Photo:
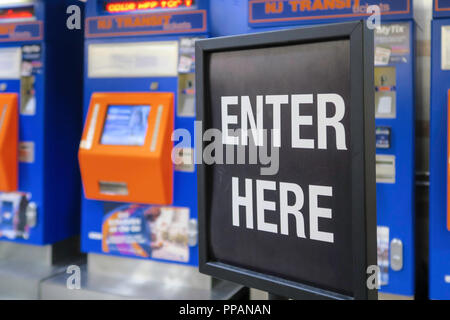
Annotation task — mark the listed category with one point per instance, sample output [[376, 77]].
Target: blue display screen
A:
[[125, 125]]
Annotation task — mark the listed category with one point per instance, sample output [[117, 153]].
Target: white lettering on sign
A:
[[298, 103], [298, 121], [244, 198], [278, 203]]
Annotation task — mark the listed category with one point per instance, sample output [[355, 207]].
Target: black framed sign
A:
[[286, 186]]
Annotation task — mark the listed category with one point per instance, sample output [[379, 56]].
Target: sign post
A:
[[287, 179]]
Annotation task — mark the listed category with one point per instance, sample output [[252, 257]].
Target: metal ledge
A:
[[113, 278], [23, 267]]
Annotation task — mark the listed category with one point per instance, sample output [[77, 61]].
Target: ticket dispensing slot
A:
[[9, 135], [125, 151], [385, 92], [385, 169]]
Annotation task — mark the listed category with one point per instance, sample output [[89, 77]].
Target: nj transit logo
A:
[[145, 24], [261, 11], [23, 31]]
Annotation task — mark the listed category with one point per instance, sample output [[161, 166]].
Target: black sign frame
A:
[[363, 155]]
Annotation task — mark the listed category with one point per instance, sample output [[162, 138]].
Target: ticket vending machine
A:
[[137, 149], [439, 228], [394, 109], [40, 121]]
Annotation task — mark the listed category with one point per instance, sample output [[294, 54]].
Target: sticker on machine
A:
[[146, 231], [17, 215], [395, 38], [31, 60], [382, 56], [26, 151], [28, 95], [445, 50], [383, 255], [186, 62]]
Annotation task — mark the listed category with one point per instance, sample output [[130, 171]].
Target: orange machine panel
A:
[[9, 136], [128, 172]]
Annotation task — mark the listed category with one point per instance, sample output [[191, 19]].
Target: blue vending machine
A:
[[137, 150], [40, 87], [439, 223], [394, 94], [40, 125]]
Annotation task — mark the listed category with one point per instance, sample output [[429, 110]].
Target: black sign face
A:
[[288, 225]]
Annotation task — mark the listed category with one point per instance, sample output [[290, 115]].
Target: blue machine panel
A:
[[394, 82], [439, 245], [160, 232], [441, 8], [394, 59], [46, 205]]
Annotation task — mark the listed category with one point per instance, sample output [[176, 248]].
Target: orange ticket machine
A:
[[125, 151], [9, 134]]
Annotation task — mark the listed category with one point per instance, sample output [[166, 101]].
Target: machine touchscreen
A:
[[125, 125]]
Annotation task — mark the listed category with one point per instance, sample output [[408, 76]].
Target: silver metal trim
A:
[[396, 254], [156, 129], [87, 144], [2, 117]]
